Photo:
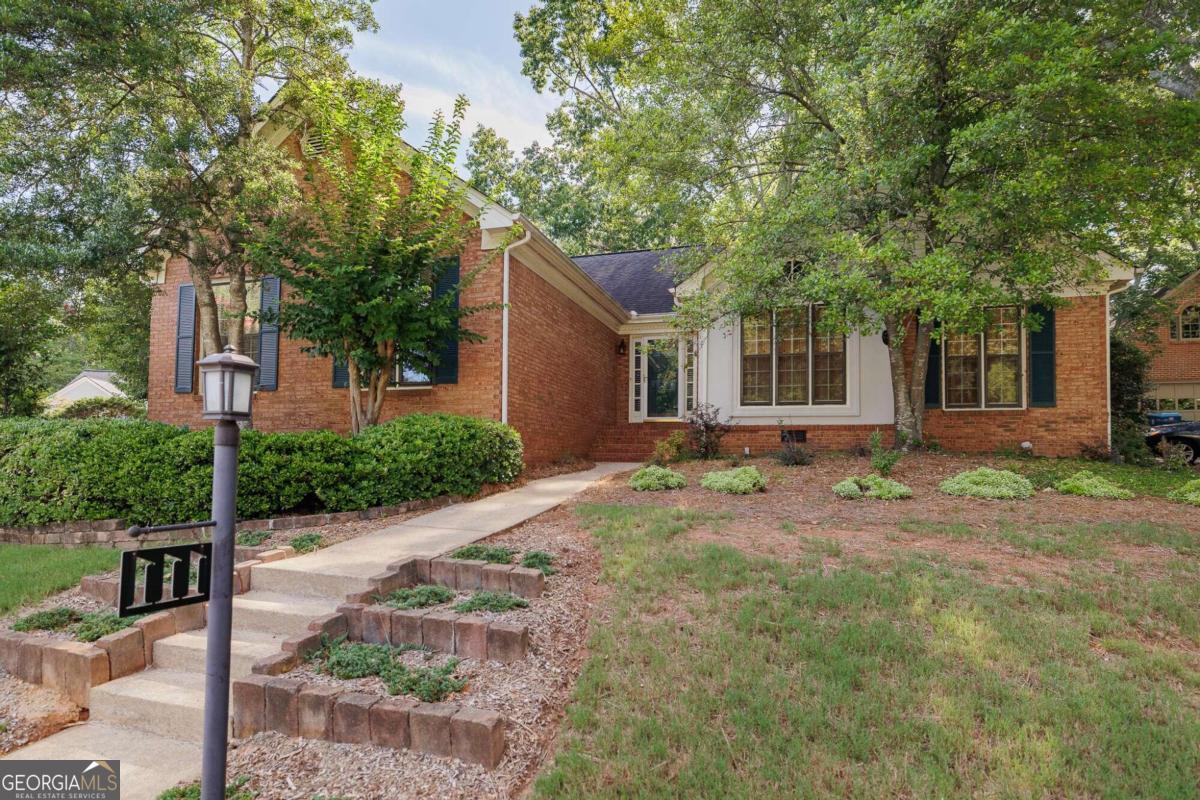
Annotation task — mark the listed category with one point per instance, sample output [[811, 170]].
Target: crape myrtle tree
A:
[[133, 130], [906, 164], [363, 254]]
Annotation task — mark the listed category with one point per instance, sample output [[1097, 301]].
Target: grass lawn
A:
[[724, 674], [1153, 481], [29, 573]]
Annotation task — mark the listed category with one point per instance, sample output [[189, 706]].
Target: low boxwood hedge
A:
[[151, 473]]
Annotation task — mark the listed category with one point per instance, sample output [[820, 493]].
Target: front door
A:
[[662, 374]]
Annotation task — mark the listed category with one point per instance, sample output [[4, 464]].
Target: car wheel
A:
[[1195, 450]]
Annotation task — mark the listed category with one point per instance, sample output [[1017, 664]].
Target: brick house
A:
[[582, 359], [1175, 366]]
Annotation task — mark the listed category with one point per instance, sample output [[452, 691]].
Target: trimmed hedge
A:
[[152, 473]]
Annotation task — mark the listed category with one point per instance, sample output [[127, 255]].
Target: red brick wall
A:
[[560, 359], [1177, 361], [306, 398], [1080, 417]]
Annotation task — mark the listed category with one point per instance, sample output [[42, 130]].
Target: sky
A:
[[441, 48]]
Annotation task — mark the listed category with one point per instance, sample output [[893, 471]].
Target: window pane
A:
[[791, 342], [756, 360], [689, 373], [662, 378], [962, 369], [829, 365], [1002, 343], [404, 375], [637, 376], [1189, 323]]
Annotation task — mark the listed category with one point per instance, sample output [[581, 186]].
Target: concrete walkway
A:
[[151, 720], [347, 566]]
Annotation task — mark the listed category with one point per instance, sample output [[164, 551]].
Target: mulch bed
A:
[[530, 694]]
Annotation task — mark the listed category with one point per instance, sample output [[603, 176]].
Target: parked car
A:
[[1184, 433]]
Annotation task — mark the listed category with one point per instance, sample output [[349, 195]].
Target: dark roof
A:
[[634, 278]]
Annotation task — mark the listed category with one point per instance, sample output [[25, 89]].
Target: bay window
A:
[[785, 361]]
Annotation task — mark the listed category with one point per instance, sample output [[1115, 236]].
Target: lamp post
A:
[[228, 382]]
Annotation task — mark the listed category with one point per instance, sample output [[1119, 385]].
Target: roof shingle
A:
[[639, 280]]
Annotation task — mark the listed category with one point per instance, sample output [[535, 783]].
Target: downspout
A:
[[504, 326]]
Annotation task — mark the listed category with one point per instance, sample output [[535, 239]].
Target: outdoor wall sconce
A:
[[621, 348]]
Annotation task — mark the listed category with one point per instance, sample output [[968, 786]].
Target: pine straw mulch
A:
[[531, 695]]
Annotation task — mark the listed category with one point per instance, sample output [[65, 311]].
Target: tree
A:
[[905, 164], [134, 128], [27, 327], [115, 325], [376, 233]]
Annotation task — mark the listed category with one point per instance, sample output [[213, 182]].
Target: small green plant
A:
[[421, 596], [872, 486], [497, 602], [54, 619], [705, 431], [233, 791], [787, 526], [252, 538], [93, 625], [739, 480], [485, 552], [672, 448], [883, 459], [988, 484], [1175, 456], [656, 479], [792, 454], [307, 542], [351, 660], [1188, 493], [1088, 484], [539, 559]]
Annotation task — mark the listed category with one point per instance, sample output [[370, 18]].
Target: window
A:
[[250, 325], [637, 377], [1189, 323], [985, 365], [662, 378], [785, 361], [689, 375], [404, 375], [662, 371]]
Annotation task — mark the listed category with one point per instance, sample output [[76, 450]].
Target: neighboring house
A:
[[84, 386], [582, 359], [1175, 367]]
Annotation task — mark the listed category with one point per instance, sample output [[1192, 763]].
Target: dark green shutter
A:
[[1041, 360], [185, 339], [268, 337], [933, 376], [341, 374], [447, 366]]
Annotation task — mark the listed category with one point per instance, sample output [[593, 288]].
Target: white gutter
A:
[[504, 326]]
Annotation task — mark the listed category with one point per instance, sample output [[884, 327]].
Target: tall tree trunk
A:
[[908, 372], [206, 300], [356, 409]]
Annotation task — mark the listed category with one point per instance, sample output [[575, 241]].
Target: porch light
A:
[[228, 380]]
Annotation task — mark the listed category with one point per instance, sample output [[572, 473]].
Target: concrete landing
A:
[[346, 567], [149, 764]]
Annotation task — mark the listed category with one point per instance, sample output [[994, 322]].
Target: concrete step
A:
[[150, 763], [283, 578], [186, 651], [164, 702], [282, 614]]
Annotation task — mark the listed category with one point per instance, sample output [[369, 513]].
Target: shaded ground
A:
[[29, 713]]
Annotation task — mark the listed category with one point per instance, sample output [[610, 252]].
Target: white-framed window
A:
[[250, 324], [404, 375], [1186, 325], [785, 361], [662, 374], [984, 370]]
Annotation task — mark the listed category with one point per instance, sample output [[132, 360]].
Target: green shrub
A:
[[883, 459], [872, 486], [1088, 484], [54, 619], [100, 623], [989, 484], [739, 480], [491, 601], [150, 473], [233, 791], [101, 408], [86, 627], [307, 542], [421, 596], [485, 552], [350, 660], [539, 559], [1188, 493], [656, 479]]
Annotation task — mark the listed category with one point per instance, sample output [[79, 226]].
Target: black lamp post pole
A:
[[220, 611]]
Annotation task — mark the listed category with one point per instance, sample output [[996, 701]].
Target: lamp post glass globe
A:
[[228, 381]]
